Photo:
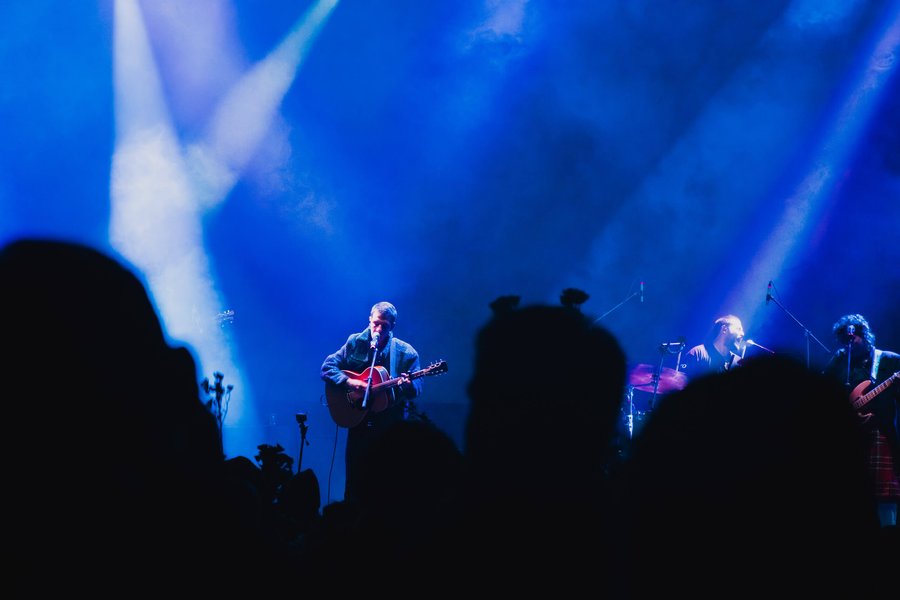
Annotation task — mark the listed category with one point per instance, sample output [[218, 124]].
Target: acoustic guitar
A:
[[346, 406]]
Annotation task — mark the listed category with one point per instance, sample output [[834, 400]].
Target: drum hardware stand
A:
[[629, 395], [664, 349], [806, 332]]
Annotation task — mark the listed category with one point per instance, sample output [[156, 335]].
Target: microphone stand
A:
[[365, 400], [637, 293], [301, 421], [849, 348], [806, 332]]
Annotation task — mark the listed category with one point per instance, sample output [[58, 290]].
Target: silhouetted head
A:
[[755, 466], [410, 473], [111, 441], [545, 396], [92, 365]]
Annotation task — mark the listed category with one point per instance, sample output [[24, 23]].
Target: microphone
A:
[[374, 343], [642, 292], [755, 345], [769, 292]]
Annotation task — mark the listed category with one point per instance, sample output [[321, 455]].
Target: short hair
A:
[[717, 325], [385, 308], [839, 329]]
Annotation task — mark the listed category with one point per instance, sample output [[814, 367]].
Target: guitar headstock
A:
[[436, 368], [225, 317]]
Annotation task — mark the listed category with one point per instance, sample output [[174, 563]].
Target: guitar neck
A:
[[434, 369], [862, 400], [387, 383], [395, 381]]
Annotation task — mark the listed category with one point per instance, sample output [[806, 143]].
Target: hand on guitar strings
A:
[[356, 385]]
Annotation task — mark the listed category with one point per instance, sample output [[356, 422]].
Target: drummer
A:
[[720, 350]]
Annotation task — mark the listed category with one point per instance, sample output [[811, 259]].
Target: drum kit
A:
[[648, 378], [654, 380]]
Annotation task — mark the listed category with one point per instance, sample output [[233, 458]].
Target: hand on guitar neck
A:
[[358, 386], [862, 395]]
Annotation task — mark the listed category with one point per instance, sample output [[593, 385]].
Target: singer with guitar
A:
[[365, 359], [872, 378]]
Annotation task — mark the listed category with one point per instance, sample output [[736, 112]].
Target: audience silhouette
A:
[[743, 482], [545, 397], [392, 536], [749, 481], [117, 466], [282, 505]]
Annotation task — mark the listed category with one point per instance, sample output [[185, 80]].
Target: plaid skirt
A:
[[883, 466]]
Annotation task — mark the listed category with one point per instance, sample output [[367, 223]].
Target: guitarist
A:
[[392, 353], [861, 366]]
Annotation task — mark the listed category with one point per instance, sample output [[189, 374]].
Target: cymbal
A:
[[642, 377]]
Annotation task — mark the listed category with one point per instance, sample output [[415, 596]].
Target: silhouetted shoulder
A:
[[755, 466]]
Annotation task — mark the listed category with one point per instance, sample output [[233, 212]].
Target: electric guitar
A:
[[346, 406], [859, 397]]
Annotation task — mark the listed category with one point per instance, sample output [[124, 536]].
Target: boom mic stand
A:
[[849, 349], [806, 332], [617, 306], [851, 330]]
